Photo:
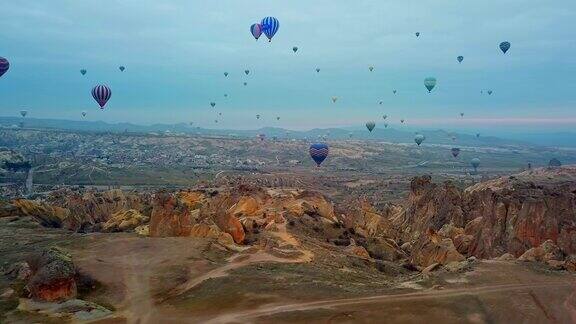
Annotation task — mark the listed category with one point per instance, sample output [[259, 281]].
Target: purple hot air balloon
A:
[[4, 65], [101, 94], [455, 151], [318, 152], [256, 30]]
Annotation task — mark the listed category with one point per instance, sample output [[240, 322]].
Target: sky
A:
[[176, 52]]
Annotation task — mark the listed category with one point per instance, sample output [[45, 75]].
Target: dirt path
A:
[[250, 315]]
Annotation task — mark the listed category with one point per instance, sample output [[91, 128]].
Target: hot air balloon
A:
[[4, 66], [370, 125], [256, 30], [334, 99], [460, 58], [101, 94], [245, 83], [419, 138], [317, 69], [212, 104], [225, 74], [417, 34], [380, 102], [225, 95], [385, 116], [23, 113], [216, 121], [219, 114], [83, 72], [246, 72], [402, 121], [257, 116], [277, 118], [122, 68], [295, 49], [394, 91], [270, 26], [477, 135], [430, 83], [475, 162], [318, 152], [489, 92], [455, 151], [461, 114], [504, 47], [349, 135], [261, 137], [371, 68], [83, 114], [385, 125]]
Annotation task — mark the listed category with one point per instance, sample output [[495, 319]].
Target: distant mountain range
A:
[[379, 133]]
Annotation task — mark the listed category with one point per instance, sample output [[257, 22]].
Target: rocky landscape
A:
[[237, 251]]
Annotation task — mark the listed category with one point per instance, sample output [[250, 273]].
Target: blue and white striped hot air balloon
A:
[[318, 152], [270, 26]]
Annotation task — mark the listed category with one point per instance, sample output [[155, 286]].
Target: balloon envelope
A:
[[101, 94], [270, 26], [475, 162], [317, 69], [4, 66], [455, 151], [419, 138], [295, 49], [256, 30], [318, 152], [212, 104], [23, 113], [83, 114], [430, 83], [504, 47], [417, 34], [83, 72], [225, 74], [247, 72], [460, 58], [370, 125], [121, 68]]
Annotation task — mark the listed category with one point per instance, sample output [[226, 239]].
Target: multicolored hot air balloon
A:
[[212, 104], [83, 72], [4, 66], [122, 68], [455, 152], [419, 138], [430, 83], [318, 152], [295, 49], [256, 30], [460, 58], [270, 26], [504, 47], [475, 162], [101, 94], [370, 125]]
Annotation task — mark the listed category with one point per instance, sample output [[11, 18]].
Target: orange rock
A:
[[170, 217]]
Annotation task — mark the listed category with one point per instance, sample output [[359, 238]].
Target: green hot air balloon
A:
[[430, 83], [370, 125], [419, 138], [475, 162]]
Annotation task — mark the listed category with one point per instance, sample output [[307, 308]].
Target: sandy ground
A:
[[145, 275]]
